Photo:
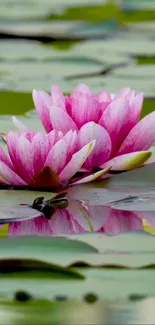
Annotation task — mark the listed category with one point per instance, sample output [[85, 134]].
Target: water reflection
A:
[[79, 217]]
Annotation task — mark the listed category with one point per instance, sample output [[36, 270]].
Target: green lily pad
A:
[[21, 268], [23, 196], [95, 13], [133, 243], [66, 312], [42, 28], [31, 75], [147, 27], [15, 50], [144, 71], [114, 83], [104, 284], [105, 28], [59, 29], [130, 46], [32, 123], [125, 250], [95, 49], [13, 10], [57, 67], [137, 181], [138, 4], [34, 9]]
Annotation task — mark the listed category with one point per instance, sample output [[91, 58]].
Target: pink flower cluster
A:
[[86, 135]]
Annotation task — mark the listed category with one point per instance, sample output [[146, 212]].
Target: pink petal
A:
[[61, 223], [68, 104], [131, 95], [40, 148], [58, 98], [77, 228], [53, 137], [123, 92], [102, 150], [116, 120], [35, 227], [84, 109], [12, 139], [98, 216], [141, 137], [92, 177], [43, 102], [56, 158], [18, 124], [8, 176], [71, 141], [79, 214], [29, 135], [61, 121], [148, 216], [102, 107], [4, 158], [76, 162], [104, 96], [135, 109], [24, 161], [90, 218], [83, 89], [128, 161], [122, 221]]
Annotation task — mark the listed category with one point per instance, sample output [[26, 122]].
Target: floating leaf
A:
[[126, 250], [68, 312], [19, 268], [130, 46]]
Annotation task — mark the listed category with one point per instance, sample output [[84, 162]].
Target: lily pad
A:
[[37, 9], [15, 50], [31, 75], [126, 250], [14, 10], [23, 196], [138, 4], [95, 49], [133, 47], [42, 29], [57, 67], [144, 71], [147, 27], [59, 29], [114, 83], [6, 123], [66, 312]]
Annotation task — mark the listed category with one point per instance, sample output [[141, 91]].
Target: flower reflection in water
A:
[[79, 217]]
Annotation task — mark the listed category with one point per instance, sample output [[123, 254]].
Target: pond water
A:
[[93, 260]]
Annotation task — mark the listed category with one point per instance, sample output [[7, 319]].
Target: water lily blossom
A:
[[122, 140], [42, 160]]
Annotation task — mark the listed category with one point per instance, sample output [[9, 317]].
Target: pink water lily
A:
[[44, 160], [122, 141]]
